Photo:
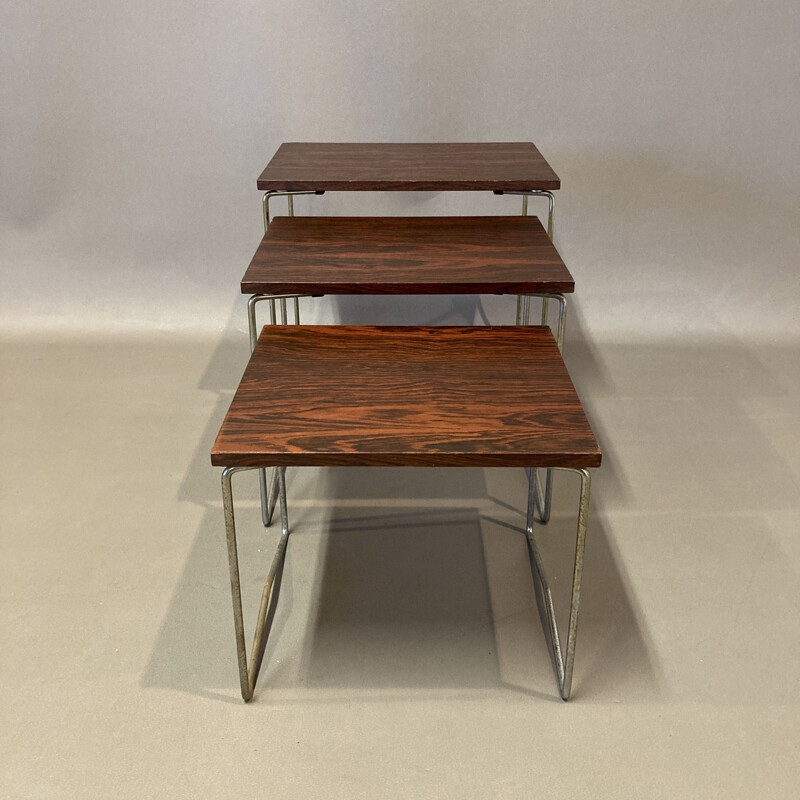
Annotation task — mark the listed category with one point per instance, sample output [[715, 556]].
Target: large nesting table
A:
[[406, 396]]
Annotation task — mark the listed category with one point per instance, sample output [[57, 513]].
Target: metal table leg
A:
[[562, 662], [248, 672], [523, 317], [270, 490], [543, 496]]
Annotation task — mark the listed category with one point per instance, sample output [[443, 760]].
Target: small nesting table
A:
[[406, 396], [407, 167]]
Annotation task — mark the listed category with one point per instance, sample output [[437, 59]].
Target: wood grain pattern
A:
[[406, 255], [405, 396], [343, 167]]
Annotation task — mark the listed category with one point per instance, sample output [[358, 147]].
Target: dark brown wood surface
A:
[[406, 255], [343, 167], [405, 396]]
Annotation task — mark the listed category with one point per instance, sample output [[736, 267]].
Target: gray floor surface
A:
[[406, 657]]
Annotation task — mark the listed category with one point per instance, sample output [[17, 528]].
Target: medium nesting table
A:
[[406, 396]]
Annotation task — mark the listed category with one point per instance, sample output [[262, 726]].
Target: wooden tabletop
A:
[[343, 167], [405, 396], [406, 255]]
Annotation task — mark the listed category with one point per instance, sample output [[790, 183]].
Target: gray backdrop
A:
[[133, 133]]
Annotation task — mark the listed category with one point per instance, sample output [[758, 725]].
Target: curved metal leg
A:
[[248, 672], [562, 662], [551, 208], [562, 314], [289, 199], [551, 205]]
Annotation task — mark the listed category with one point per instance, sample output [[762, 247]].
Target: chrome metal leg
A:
[[523, 303], [269, 494], [269, 490], [289, 199], [248, 672], [551, 208], [562, 663], [551, 205], [543, 496]]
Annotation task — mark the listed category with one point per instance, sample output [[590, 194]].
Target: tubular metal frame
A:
[[544, 496], [562, 663], [248, 672], [523, 315], [249, 669], [270, 492]]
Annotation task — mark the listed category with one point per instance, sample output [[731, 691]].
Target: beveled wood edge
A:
[[583, 461], [318, 289], [406, 186], [512, 184]]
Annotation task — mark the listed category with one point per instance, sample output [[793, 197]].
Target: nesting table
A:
[[403, 395], [307, 168]]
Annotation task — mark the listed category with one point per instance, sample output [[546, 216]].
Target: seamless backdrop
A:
[[132, 136], [406, 658]]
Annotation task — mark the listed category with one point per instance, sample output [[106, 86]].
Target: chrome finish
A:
[[290, 201], [563, 659], [542, 497], [268, 497], [551, 204], [562, 314], [251, 318], [248, 673], [562, 662], [268, 491], [551, 207]]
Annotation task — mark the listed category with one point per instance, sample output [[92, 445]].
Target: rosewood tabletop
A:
[[405, 396], [344, 166], [406, 255]]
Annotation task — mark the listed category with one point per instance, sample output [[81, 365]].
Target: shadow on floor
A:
[[428, 595]]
